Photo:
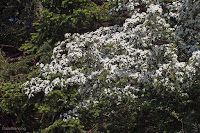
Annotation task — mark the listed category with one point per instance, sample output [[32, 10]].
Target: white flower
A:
[[56, 82], [67, 35], [154, 8]]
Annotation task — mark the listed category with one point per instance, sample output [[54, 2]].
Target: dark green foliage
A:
[[64, 16], [108, 115], [14, 107], [35, 114], [16, 21], [14, 72]]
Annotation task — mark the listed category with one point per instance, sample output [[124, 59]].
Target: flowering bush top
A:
[[145, 50]]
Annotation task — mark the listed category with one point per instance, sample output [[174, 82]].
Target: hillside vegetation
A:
[[79, 72]]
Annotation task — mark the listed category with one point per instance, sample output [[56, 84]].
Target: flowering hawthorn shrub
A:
[[142, 77]]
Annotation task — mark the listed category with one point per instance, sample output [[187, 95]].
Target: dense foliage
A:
[[36, 25], [16, 21], [59, 17], [143, 76]]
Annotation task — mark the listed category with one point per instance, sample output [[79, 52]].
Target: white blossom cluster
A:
[[117, 59], [178, 75], [71, 114], [174, 8], [189, 19]]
